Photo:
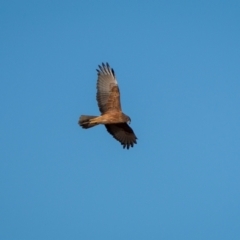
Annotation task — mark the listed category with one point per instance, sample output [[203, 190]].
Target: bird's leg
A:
[[94, 120]]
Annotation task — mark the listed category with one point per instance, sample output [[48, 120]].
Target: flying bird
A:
[[108, 98]]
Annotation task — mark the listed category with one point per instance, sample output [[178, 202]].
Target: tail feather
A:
[[84, 121]]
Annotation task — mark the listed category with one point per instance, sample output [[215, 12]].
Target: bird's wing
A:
[[108, 94], [123, 133]]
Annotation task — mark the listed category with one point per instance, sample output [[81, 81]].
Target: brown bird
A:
[[108, 98]]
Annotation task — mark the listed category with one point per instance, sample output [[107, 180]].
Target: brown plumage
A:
[[108, 98]]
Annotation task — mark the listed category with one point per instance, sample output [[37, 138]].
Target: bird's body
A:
[[107, 118], [108, 98]]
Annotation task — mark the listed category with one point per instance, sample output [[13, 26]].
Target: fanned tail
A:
[[85, 123]]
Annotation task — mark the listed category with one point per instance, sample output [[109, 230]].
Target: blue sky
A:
[[177, 65]]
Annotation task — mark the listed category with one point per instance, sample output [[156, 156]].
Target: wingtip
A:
[[105, 68]]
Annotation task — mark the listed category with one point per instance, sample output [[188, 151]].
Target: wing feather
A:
[[108, 94], [123, 133]]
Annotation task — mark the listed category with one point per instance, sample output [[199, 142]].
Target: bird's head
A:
[[128, 119]]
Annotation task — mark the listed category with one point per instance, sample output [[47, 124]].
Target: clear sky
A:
[[178, 68]]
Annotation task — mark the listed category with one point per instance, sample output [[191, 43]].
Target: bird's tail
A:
[[84, 121]]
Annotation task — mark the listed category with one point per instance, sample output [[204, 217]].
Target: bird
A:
[[109, 104]]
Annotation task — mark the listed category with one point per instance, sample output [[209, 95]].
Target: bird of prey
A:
[[108, 98]]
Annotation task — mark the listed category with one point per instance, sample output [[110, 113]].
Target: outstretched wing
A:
[[123, 133], [108, 95]]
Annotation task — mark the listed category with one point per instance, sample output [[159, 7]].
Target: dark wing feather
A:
[[108, 94], [123, 133]]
